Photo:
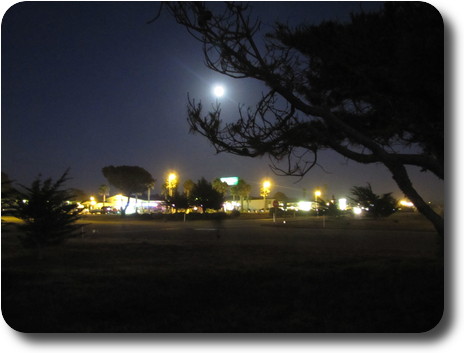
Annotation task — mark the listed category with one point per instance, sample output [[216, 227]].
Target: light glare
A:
[[218, 90], [305, 205], [342, 204]]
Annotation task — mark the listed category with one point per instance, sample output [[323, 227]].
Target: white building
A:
[[118, 202]]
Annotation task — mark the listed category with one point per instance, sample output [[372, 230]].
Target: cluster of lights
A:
[[406, 203], [172, 181], [305, 205], [231, 205]]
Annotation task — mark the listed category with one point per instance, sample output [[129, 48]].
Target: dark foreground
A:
[[250, 276]]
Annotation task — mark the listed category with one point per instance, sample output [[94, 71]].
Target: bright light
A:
[[342, 204], [406, 203], [305, 205], [265, 191], [317, 193], [171, 182], [231, 205], [357, 210], [230, 180], [219, 91]]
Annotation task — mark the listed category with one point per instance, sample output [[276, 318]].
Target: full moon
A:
[[218, 90]]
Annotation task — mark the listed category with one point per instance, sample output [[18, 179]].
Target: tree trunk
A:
[[123, 210], [401, 178]]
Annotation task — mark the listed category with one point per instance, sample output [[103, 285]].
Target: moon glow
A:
[[219, 91]]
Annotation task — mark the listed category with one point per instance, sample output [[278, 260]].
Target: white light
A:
[[357, 210], [231, 205], [342, 204], [305, 205], [406, 203], [218, 91], [230, 180]]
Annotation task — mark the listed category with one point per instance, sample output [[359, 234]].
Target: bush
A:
[[234, 214], [376, 205]]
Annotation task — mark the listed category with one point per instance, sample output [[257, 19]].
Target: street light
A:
[[172, 182], [265, 191], [317, 194], [92, 203]]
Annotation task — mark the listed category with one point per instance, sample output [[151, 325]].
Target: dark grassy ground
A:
[[353, 277]]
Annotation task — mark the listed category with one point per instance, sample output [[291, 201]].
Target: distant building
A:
[[136, 205], [250, 205], [117, 202]]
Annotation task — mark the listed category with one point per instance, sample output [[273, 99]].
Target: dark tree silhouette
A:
[[220, 186], [177, 200], [7, 194], [128, 179], [376, 205], [242, 190], [370, 89], [49, 218], [204, 195]]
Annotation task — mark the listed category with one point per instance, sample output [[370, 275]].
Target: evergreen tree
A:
[[49, 218]]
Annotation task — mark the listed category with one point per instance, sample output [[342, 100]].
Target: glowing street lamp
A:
[[92, 202], [265, 191]]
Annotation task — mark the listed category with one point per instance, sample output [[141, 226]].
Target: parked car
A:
[[104, 210], [108, 210]]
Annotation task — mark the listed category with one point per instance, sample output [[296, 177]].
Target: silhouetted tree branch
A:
[[371, 89]]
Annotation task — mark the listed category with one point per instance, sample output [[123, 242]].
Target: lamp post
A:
[[317, 194], [172, 182], [92, 203], [265, 191]]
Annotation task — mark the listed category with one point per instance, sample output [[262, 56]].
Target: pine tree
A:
[[49, 217]]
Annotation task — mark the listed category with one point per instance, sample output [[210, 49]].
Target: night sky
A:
[[86, 85]]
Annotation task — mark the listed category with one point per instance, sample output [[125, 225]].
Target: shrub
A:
[[376, 206], [234, 213]]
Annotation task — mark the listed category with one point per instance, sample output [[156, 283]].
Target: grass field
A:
[[150, 276]]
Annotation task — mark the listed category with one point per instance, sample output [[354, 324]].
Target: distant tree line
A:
[[49, 217]]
